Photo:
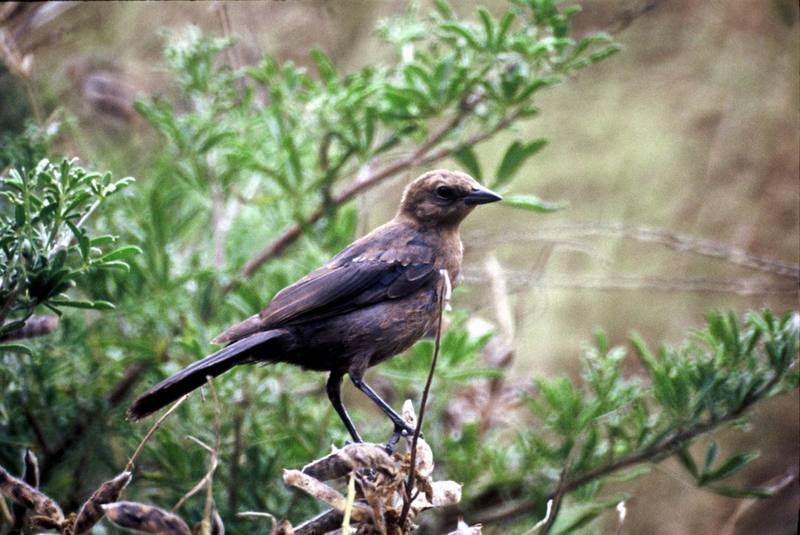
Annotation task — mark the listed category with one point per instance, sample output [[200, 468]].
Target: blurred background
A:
[[678, 158]]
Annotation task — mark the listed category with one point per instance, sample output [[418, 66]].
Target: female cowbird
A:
[[370, 302]]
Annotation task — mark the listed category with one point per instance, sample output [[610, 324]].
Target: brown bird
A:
[[370, 302]]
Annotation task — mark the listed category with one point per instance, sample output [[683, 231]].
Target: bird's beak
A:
[[481, 196]]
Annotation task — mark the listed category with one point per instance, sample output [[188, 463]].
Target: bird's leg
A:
[[401, 427], [333, 388]]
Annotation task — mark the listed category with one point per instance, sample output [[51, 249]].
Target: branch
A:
[[654, 453], [667, 447], [408, 499], [671, 240]]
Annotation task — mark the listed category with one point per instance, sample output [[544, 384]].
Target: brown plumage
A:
[[370, 302]]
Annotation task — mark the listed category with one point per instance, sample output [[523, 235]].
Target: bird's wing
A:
[[340, 289]]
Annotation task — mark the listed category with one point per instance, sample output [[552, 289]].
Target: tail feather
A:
[[195, 375]]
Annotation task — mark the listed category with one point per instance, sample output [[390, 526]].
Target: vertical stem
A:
[[436, 346]]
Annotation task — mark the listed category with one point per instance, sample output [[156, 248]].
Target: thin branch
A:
[[412, 471], [554, 503], [138, 451], [654, 453], [208, 479], [643, 233], [773, 486], [212, 465], [521, 280]]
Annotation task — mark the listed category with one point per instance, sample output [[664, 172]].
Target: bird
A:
[[370, 302]]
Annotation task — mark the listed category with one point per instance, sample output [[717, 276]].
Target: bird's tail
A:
[[196, 374]]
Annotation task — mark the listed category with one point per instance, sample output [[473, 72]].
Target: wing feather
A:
[[345, 288]]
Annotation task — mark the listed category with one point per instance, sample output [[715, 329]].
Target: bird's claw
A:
[[400, 431]]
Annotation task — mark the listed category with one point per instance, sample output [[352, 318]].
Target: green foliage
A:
[[43, 247], [604, 427], [248, 152]]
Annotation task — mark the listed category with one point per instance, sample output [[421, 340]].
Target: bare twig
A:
[[773, 486], [412, 471], [672, 240], [520, 280], [212, 465], [151, 432], [554, 503], [30, 475], [207, 480], [260, 514]]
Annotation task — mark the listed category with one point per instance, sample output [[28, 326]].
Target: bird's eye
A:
[[445, 192]]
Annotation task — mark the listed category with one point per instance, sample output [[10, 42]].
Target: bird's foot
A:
[[404, 430], [393, 440]]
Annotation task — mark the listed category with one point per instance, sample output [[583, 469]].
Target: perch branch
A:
[[408, 499]]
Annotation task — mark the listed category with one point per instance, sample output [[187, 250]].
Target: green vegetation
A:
[[266, 159]]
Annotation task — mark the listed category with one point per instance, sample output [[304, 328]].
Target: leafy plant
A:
[[610, 425], [268, 156], [43, 245]]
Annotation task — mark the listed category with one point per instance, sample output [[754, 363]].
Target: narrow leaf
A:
[[533, 203], [121, 253], [469, 161], [515, 156], [16, 348]]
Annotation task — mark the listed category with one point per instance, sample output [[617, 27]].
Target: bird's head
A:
[[443, 197]]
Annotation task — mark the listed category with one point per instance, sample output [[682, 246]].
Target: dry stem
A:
[[151, 432]]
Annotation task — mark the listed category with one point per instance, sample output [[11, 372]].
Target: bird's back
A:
[[391, 262]]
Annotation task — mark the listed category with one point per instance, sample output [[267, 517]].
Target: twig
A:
[[260, 514], [412, 471], [774, 486], [153, 429], [208, 478], [671, 240], [214, 454], [118, 392], [520, 280]]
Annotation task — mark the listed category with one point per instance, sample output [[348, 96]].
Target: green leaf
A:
[[533, 203], [469, 160], [730, 467], [488, 27], [83, 241], [686, 459], [16, 348], [505, 24], [119, 254], [515, 156], [114, 264], [749, 492], [711, 456], [324, 65], [100, 241], [605, 53], [462, 31], [79, 303]]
